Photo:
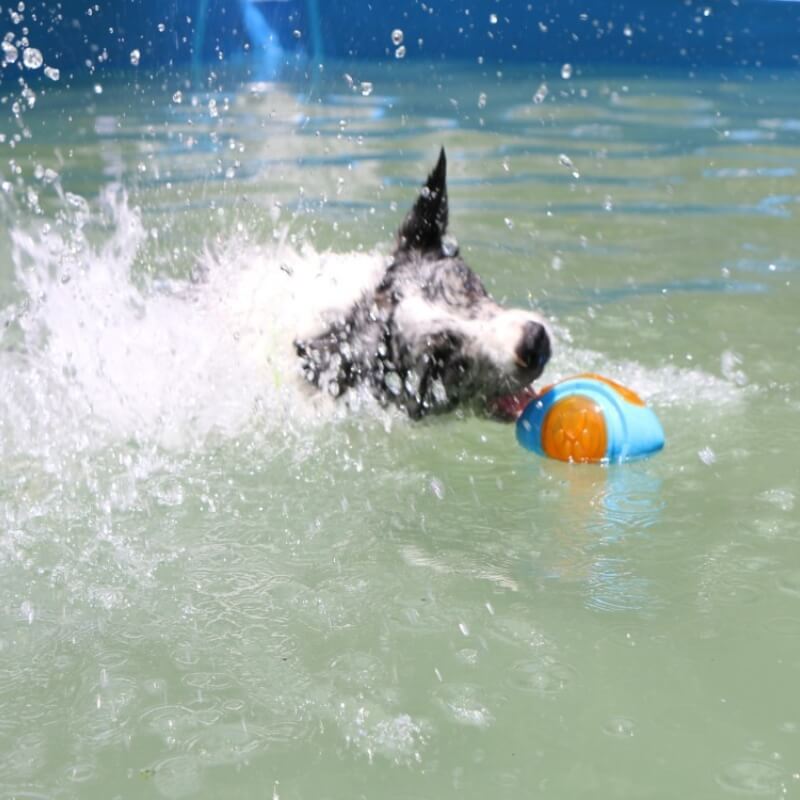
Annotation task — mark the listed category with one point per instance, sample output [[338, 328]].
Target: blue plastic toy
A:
[[589, 419]]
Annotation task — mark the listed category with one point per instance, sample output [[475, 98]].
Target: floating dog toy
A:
[[589, 419]]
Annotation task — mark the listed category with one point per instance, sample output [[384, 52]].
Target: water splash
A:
[[95, 351]]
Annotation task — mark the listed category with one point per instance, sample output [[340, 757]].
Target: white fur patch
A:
[[491, 337]]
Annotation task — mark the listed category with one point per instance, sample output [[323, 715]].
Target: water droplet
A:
[[400, 52], [543, 676], [707, 456], [541, 94], [397, 37], [393, 383], [493, 19], [566, 71], [135, 57], [177, 97], [730, 363], [620, 727], [32, 58], [566, 161], [98, 89], [53, 73], [782, 498], [449, 246], [10, 53]]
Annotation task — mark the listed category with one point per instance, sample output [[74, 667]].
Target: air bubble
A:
[[136, 55], [161, 27], [366, 88], [397, 37], [541, 94], [98, 88], [628, 31], [493, 19], [53, 73], [400, 52], [566, 71], [177, 97]]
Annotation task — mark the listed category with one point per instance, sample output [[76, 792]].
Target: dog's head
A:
[[430, 337]]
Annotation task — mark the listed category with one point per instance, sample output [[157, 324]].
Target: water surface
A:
[[211, 587]]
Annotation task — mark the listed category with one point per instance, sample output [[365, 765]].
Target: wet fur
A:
[[428, 337]]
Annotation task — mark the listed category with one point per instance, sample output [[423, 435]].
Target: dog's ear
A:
[[426, 223]]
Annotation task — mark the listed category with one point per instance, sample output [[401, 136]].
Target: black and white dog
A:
[[427, 336]]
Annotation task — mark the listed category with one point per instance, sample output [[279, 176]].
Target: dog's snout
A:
[[533, 350]]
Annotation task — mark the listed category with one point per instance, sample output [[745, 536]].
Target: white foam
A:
[[664, 386]]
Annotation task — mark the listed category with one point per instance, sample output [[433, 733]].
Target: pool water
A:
[[214, 587]]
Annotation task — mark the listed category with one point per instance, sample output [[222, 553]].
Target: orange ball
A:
[[574, 430]]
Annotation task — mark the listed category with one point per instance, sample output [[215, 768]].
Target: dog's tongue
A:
[[508, 407]]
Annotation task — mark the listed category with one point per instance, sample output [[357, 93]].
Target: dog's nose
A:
[[533, 350]]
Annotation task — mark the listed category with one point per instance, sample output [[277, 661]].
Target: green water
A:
[[214, 599]]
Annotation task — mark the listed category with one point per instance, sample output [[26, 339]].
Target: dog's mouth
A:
[[508, 407]]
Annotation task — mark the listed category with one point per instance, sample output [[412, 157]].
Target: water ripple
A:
[[752, 777]]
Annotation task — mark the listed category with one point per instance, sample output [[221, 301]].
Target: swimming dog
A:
[[428, 337]]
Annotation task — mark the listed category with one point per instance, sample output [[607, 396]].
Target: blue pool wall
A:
[[271, 35]]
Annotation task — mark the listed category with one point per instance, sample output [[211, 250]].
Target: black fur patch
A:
[[426, 223]]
